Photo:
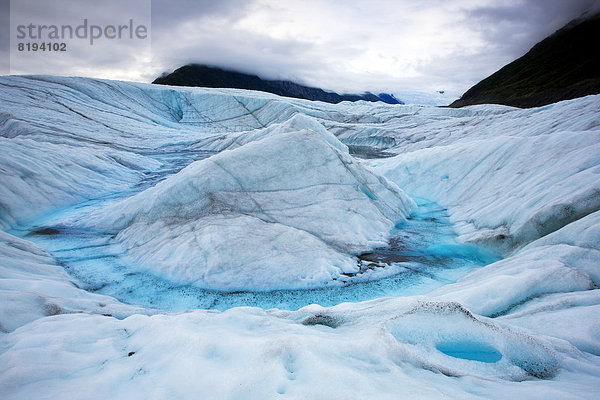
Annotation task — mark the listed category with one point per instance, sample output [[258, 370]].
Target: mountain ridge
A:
[[563, 66], [216, 77]]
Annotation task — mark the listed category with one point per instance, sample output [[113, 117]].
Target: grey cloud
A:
[[166, 14], [350, 46], [514, 27]]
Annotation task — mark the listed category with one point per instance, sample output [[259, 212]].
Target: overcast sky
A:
[[347, 46]]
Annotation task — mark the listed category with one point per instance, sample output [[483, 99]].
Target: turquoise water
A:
[[422, 255], [471, 351]]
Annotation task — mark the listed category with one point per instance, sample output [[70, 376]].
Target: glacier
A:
[[318, 217]]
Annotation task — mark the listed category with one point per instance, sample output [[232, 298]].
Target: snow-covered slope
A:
[[234, 189]]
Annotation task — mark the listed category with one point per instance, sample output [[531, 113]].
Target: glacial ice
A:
[[380, 349], [32, 286], [284, 212], [267, 182]]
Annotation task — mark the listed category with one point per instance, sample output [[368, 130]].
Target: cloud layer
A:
[[347, 46]]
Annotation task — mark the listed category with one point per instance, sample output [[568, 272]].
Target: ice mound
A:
[[286, 211], [296, 123]]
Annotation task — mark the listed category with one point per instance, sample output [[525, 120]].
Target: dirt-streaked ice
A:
[[284, 212]]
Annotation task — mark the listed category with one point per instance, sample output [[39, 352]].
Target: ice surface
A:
[[496, 288], [522, 197], [378, 349], [523, 183], [33, 286], [569, 316]]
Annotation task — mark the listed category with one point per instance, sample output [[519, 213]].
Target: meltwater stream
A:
[[422, 255]]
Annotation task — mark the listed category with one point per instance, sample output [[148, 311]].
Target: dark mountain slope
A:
[[563, 66], [205, 76]]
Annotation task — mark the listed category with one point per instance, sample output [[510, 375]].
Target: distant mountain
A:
[[563, 66], [389, 98], [205, 76]]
